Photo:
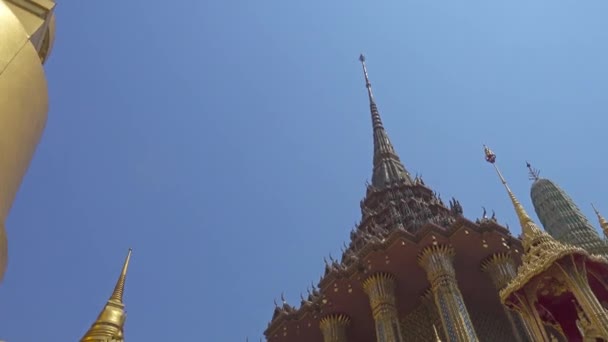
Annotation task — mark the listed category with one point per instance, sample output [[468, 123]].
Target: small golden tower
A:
[[27, 31], [110, 322], [603, 221], [550, 272]]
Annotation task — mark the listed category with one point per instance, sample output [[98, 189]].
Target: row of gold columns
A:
[[501, 269], [445, 298]]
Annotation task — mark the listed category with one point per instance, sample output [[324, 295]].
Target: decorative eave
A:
[[538, 261]]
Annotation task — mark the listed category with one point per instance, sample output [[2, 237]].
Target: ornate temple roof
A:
[[541, 250], [388, 168], [110, 322], [562, 218], [400, 215]]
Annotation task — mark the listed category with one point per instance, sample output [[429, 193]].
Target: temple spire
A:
[[603, 221], [529, 229], [110, 322], [387, 165]]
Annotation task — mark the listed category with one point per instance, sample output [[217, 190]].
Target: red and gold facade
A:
[[413, 264], [418, 270]]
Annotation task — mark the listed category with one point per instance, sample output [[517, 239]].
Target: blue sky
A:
[[228, 143]]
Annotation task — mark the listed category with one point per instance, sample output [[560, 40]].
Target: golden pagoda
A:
[[27, 32], [557, 284], [110, 322]]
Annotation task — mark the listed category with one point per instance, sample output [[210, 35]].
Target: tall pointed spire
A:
[[387, 165], [603, 221], [529, 229], [110, 322]]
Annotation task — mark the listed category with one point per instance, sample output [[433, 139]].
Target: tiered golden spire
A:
[[110, 322], [529, 229], [603, 221], [540, 249]]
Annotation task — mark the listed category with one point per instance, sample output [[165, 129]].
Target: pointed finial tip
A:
[[361, 58], [597, 212], [490, 156]]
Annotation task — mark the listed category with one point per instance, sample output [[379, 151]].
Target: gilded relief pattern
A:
[[334, 328], [380, 289]]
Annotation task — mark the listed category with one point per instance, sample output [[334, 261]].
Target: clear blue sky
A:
[[228, 143]]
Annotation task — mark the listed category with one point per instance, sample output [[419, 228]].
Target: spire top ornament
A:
[[528, 227], [533, 174]]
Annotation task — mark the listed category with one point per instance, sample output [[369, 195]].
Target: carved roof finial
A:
[[533, 174], [603, 221], [110, 322]]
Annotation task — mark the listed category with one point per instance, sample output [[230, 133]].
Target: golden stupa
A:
[[27, 30]]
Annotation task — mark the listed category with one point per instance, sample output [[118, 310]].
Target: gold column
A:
[[438, 263], [26, 37], [527, 309], [574, 273], [380, 289], [501, 269], [334, 327]]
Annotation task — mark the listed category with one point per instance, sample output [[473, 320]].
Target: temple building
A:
[[110, 323], [557, 284], [417, 270], [561, 218], [27, 34]]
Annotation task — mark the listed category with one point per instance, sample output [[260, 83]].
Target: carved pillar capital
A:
[[501, 269], [437, 260], [334, 327], [380, 288]]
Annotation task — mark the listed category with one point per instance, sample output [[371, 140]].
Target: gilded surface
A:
[[438, 263], [501, 269], [380, 289], [23, 110], [575, 275], [110, 322], [603, 221], [334, 327]]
